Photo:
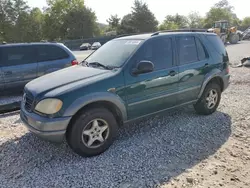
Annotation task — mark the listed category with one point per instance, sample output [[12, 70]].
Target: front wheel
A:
[[210, 100], [92, 132]]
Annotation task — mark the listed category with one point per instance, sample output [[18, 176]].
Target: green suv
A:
[[126, 79]]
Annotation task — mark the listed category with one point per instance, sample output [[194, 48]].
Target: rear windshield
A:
[[217, 43]]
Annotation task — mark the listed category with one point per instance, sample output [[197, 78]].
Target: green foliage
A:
[[245, 23], [127, 25], [195, 20], [174, 22], [143, 20], [113, 22], [221, 11], [71, 19], [62, 19], [140, 20]]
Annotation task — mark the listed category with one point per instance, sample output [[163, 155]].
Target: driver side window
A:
[[158, 51]]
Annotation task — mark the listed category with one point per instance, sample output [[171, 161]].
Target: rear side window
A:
[[190, 50], [50, 53], [158, 51], [187, 50], [217, 43], [17, 55], [202, 53]]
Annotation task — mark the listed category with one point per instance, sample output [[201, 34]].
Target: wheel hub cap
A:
[[212, 99], [95, 133]]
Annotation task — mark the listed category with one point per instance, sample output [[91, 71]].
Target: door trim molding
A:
[[157, 112], [163, 96]]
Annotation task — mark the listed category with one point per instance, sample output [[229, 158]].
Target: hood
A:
[[210, 30], [68, 76]]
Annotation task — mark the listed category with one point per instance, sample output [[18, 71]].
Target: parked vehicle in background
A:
[[240, 34], [85, 46], [126, 79], [246, 34], [96, 45], [226, 33], [21, 63]]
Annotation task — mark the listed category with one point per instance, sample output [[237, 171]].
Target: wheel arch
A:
[[215, 77], [107, 100]]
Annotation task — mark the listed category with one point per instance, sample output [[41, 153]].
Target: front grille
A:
[[29, 100]]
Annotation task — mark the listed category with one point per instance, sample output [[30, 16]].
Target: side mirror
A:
[[143, 67]]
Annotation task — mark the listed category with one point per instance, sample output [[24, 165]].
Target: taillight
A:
[[227, 70], [74, 62]]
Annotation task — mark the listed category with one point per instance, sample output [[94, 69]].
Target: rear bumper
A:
[[226, 81], [50, 129]]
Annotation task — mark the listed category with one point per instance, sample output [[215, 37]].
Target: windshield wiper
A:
[[100, 65]]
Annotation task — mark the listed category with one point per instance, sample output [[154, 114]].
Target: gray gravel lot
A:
[[176, 149]]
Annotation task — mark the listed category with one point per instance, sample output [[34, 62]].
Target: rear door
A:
[[51, 58], [19, 67], [193, 60]]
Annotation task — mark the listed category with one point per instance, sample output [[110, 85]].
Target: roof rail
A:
[[179, 30]]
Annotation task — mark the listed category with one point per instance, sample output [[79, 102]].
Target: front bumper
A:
[[50, 129]]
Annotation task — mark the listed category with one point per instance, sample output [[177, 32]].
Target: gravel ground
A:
[[177, 149]]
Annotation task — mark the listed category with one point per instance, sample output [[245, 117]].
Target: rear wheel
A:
[[210, 99], [92, 132]]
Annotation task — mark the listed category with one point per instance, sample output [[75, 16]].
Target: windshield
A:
[[114, 53]]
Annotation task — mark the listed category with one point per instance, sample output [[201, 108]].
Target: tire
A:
[[202, 106], [78, 139], [234, 38]]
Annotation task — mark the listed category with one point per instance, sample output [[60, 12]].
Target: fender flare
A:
[[97, 97], [213, 74]]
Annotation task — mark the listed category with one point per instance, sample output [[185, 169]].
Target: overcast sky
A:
[[161, 8]]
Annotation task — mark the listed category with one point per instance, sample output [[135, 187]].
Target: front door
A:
[[19, 67], [193, 65], [155, 91]]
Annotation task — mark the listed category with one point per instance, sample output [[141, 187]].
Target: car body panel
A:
[[18, 75], [1, 80], [133, 96]]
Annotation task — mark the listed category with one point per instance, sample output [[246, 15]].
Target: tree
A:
[[80, 23], [245, 23], [195, 20], [66, 19], [174, 22], [221, 11], [142, 19], [113, 21], [127, 25]]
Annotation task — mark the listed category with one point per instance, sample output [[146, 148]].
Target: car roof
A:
[[150, 35], [30, 44]]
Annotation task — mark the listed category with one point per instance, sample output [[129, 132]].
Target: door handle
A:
[[172, 73], [8, 73]]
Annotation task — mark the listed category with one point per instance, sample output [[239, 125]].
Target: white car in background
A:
[[96, 45]]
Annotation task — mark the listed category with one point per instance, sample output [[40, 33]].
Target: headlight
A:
[[49, 106]]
